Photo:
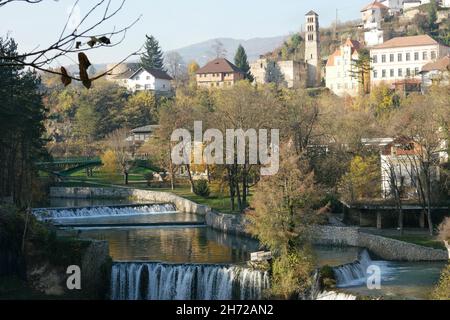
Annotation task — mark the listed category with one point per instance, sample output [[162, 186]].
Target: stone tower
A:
[[312, 50]]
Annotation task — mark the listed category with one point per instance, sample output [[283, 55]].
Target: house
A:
[[340, 69], [410, 4], [395, 6], [294, 72], [142, 134], [218, 73], [373, 37], [436, 73], [148, 79], [399, 61], [373, 14]]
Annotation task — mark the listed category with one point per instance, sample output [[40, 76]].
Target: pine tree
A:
[[241, 61], [152, 58]]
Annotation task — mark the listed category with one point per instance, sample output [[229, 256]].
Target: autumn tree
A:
[[140, 109], [362, 180], [361, 70], [118, 143]]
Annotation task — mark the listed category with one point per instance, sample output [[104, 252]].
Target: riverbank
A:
[[381, 247]]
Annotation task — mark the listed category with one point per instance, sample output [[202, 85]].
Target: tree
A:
[[284, 205], [274, 74], [241, 61], [22, 115], [219, 50], [432, 15], [109, 162], [122, 149], [192, 69], [86, 35], [140, 109], [361, 70], [442, 290], [363, 179], [152, 58], [176, 67]]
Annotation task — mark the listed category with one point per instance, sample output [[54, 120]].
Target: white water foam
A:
[[156, 281]]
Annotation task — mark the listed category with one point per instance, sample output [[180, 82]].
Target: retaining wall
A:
[[384, 248]]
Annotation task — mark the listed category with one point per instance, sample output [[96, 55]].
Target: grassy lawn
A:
[[137, 180], [422, 240]]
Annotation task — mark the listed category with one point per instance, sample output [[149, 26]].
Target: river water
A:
[[158, 255]]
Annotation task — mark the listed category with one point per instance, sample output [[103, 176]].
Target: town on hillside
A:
[[318, 170]]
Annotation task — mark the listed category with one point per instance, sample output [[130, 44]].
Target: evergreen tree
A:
[[22, 116], [432, 15], [241, 61], [152, 58], [274, 74]]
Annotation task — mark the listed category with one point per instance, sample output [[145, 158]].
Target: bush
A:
[[201, 188], [149, 177], [327, 278], [291, 274], [442, 290]]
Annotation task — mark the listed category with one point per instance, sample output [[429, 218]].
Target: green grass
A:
[[422, 240], [217, 201]]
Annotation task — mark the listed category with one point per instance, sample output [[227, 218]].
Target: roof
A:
[[442, 64], [145, 129], [374, 5], [311, 13], [131, 69], [355, 45], [218, 65], [412, 41], [158, 74]]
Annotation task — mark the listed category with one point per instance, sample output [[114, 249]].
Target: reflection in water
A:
[[174, 245]]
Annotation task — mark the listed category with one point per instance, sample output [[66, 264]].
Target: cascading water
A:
[[99, 212], [353, 273], [157, 281]]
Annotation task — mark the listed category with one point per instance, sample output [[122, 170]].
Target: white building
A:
[[339, 76], [373, 14], [373, 37], [145, 79], [294, 72], [399, 61], [395, 6]]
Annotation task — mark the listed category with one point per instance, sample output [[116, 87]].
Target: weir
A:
[[101, 212], [158, 281]]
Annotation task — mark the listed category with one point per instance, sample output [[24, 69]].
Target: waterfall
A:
[[158, 281], [355, 273], [99, 212]]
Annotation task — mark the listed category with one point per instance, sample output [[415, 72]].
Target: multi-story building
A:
[[395, 6], [340, 75], [399, 61], [312, 50], [218, 73], [293, 72]]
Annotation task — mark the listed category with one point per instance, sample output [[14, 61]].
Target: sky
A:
[[175, 23]]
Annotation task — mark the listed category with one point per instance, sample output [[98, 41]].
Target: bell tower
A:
[[312, 50]]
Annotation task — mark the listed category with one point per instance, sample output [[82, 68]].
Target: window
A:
[[392, 73], [375, 59], [424, 55], [148, 77], [416, 56], [400, 72], [383, 58], [147, 87], [408, 72], [408, 56], [391, 58], [416, 71], [375, 74], [383, 73], [433, 55], [339, 86], [399, 57]]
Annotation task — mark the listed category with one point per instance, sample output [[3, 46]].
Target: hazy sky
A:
[[175, 23]]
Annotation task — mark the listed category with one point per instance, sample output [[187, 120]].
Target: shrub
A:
[[149, 177], [442, 290], [201, 188], [444, 230], [327, 278], [291, 274]]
